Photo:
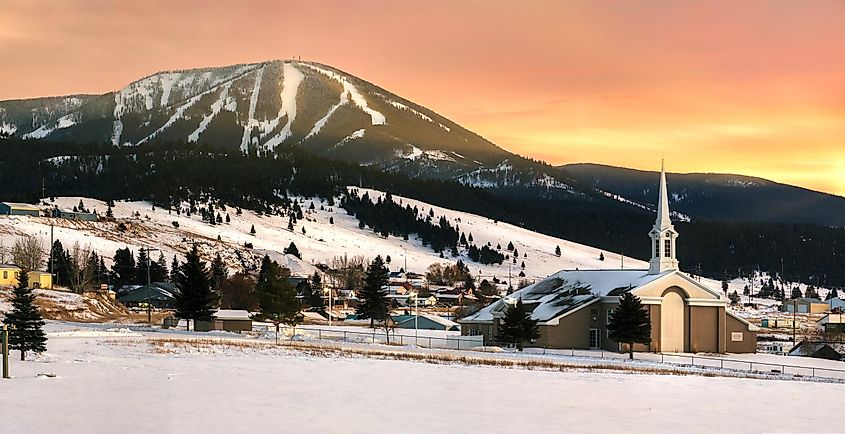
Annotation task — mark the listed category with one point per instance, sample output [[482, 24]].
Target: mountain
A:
[[713, 196], [256, 108]]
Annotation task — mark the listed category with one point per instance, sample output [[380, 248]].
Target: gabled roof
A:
[[567, 291], [22, 206], [146, 292]]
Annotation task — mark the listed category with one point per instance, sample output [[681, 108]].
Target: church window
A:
[[657, 248], [667, 247]]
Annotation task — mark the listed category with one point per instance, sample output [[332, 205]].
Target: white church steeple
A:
[[663, 234]]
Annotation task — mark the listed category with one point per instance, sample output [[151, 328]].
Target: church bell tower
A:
[[663, 234]]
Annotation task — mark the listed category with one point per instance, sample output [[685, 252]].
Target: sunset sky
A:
[[750, 87]]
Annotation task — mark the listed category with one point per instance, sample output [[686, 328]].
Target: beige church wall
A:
[[678, 330], [749, 339], [573, 331], [688, 289], [704, 329]]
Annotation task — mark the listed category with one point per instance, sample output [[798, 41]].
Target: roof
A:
[[22, 206], [146, 292], [10, 266], [806, 348], [445, 323], [804, 300], [232, 314], [568, 290], [832, 318]]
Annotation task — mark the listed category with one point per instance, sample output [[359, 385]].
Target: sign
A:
[[736, 336]]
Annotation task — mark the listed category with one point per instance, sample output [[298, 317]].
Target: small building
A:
[[779, 323], [817, 350], [832, 323], [76, 215], [425, 322], [159, 295], [40, 279], [777, 348], [9, 274], [449, 299], [804, 305], [13, 208], [37, 279], [835, 303], [422, 301], [230, 320]]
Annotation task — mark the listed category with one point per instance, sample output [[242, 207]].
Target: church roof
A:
[[566, 291]]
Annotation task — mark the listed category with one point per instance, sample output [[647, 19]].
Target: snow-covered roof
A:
[[568, 290], [21, 206], [234, 314]]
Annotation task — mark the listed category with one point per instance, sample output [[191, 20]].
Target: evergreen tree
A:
[[252, 230], [832, 294], [59, 258], [374, 299], [517, 327], [331, 220], [159, 269], [219, 271], [264, 271], [796, 293], [123, 268], [510, 246], [734, 297], [24, 320], [141, 270], [630, 323], [174, 269], [195, 299], [557, 250], [292, 250], [316, 299], [109, 212], [277, 298], [601, 256], [228, 219]]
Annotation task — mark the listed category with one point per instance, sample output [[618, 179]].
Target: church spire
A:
[[663, 235], [663, 220]]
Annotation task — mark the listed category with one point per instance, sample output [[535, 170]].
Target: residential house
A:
[[832, 323], [77, 215], [159, 295], [13, 208], [804, 305], [37, 279], [574, 307], [818, 350]]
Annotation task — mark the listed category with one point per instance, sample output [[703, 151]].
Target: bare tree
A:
[[4, 253], [81, 272], [347, 272], [28, 252]]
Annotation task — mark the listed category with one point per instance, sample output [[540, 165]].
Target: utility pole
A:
[[5, 350], [622, 258]]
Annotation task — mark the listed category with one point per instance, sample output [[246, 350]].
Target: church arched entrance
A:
[[672, 323]]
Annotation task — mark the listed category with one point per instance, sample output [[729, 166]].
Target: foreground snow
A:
[[110, 380]]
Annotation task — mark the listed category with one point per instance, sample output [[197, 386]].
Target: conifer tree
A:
[[195, 300], [264, 271], [601, 256], [517, 327], [252, 230], [292, 250], [316, 300], [630, 323], [734, 297], [277, 298], [123, 269], [219, 271], [557, 250], [228, 219], [374, 300], [24, 320], [174, 269]]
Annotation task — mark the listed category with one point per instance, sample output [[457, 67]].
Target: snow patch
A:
[[290, 86], [354, 95]]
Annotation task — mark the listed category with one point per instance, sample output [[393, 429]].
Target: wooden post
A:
[[6, 351]]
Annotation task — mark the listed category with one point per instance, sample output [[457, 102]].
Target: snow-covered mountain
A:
[[261, 106]]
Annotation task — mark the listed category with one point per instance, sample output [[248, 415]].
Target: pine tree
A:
[[24, 320], [252, 230], [143, 263], [316, 300], [517, 327], [219, 271], [277, 298], [374, 300], [832, 294], [557, 250], [123, 269], [109, 212], [734, 297], [292, 250], [630, 323], [264, 271], [331, 220], [174, 269], [228, 219], [601, 256], [510, 246], [195, 300]]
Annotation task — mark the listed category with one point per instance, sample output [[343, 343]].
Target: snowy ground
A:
[[111, 380]]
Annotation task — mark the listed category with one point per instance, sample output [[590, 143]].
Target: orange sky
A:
[[751, 87]]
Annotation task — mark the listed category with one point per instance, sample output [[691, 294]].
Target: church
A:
[[573, 307]]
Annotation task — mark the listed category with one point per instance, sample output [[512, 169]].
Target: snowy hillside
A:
[[156, 228]]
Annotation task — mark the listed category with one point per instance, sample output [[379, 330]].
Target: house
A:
[[8, 274], [835, 303], [804, 305], [776, 347], [449, 299], [37, 279], [40, 279], [160, 295], [425, 322], [76, 215], [398, 288], [832, 323], [230, 320], [818, 350], [573, 307], [779, 323], [423, 301], [12, 208]]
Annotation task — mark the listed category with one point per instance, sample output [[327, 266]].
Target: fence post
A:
[[459, 344], [429, 342], [814, 372], [661, 357], [320, 335], [573, 351], [5, 349], [721, 364], [344, 336]]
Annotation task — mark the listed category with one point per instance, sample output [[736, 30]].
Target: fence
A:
[[379, 337], [702, 361]]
